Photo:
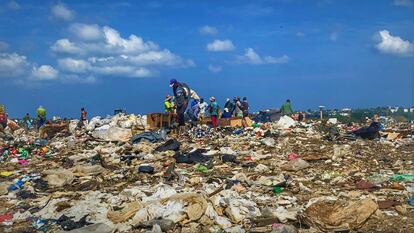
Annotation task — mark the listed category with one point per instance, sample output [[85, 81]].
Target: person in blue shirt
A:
[[226, 113], [182, 96]]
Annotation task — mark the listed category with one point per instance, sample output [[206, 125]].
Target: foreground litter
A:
[[285, 176]]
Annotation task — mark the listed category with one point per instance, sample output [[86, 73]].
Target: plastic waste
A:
[[17, 185], [112, 133], [171, 144], [402, 177], [292, 156], [285, 122], [328, 175], [6, 173], [282, 228], [277, 189], [268, 141], [201, 168], [146, 169], [94, 228], [296, 165]]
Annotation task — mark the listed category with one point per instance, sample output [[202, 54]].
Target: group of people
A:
[[29, 122], [187, 105]]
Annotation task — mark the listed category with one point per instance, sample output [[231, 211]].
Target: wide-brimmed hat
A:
[[168, 97]]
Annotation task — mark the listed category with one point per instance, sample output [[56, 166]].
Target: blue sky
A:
[[121, 54]]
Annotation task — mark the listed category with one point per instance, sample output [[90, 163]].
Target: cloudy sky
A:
[[104, 55]]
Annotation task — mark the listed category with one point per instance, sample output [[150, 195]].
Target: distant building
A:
[[412, 109], [406, 110]]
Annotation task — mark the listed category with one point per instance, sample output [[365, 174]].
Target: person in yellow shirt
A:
[[168, 105]]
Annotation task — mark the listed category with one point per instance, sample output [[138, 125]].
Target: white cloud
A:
[[3, 46], [215, 69], [66, 46], [220, 45], [394, 45], [164, 57], [208, 30], [134, 44], [12, 65], [277, 60], [404, 3], [62, 12], [44, 72], [127, 71], [333, 36], [95, 51], [251, 57], [300, 34], [74, 65], [13, 5], [86, 31]]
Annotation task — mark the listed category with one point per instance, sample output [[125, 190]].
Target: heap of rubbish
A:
[[118, 175]]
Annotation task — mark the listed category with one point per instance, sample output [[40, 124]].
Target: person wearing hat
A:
[[226, 113], [213, 109], [168, 104], [182, 95]]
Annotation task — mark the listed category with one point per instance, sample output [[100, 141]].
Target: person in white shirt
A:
[[203, 107]]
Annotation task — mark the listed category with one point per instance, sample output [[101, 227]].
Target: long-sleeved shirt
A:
[[286, 109], [203, 107]]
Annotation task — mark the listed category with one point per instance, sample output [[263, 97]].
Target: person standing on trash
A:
[[168, 104], [193, 112], [41, 116], [237, 107], [3, 117], [202, 106], [27, 121], [286, 108], [182, 95], [229, 105], [83, 118], [213, 109], [245, 107]]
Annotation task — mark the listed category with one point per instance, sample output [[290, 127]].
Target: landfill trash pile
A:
[[286, 176]]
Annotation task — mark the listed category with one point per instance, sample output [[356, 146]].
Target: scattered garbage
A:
[[329, 214], [117, 174]]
